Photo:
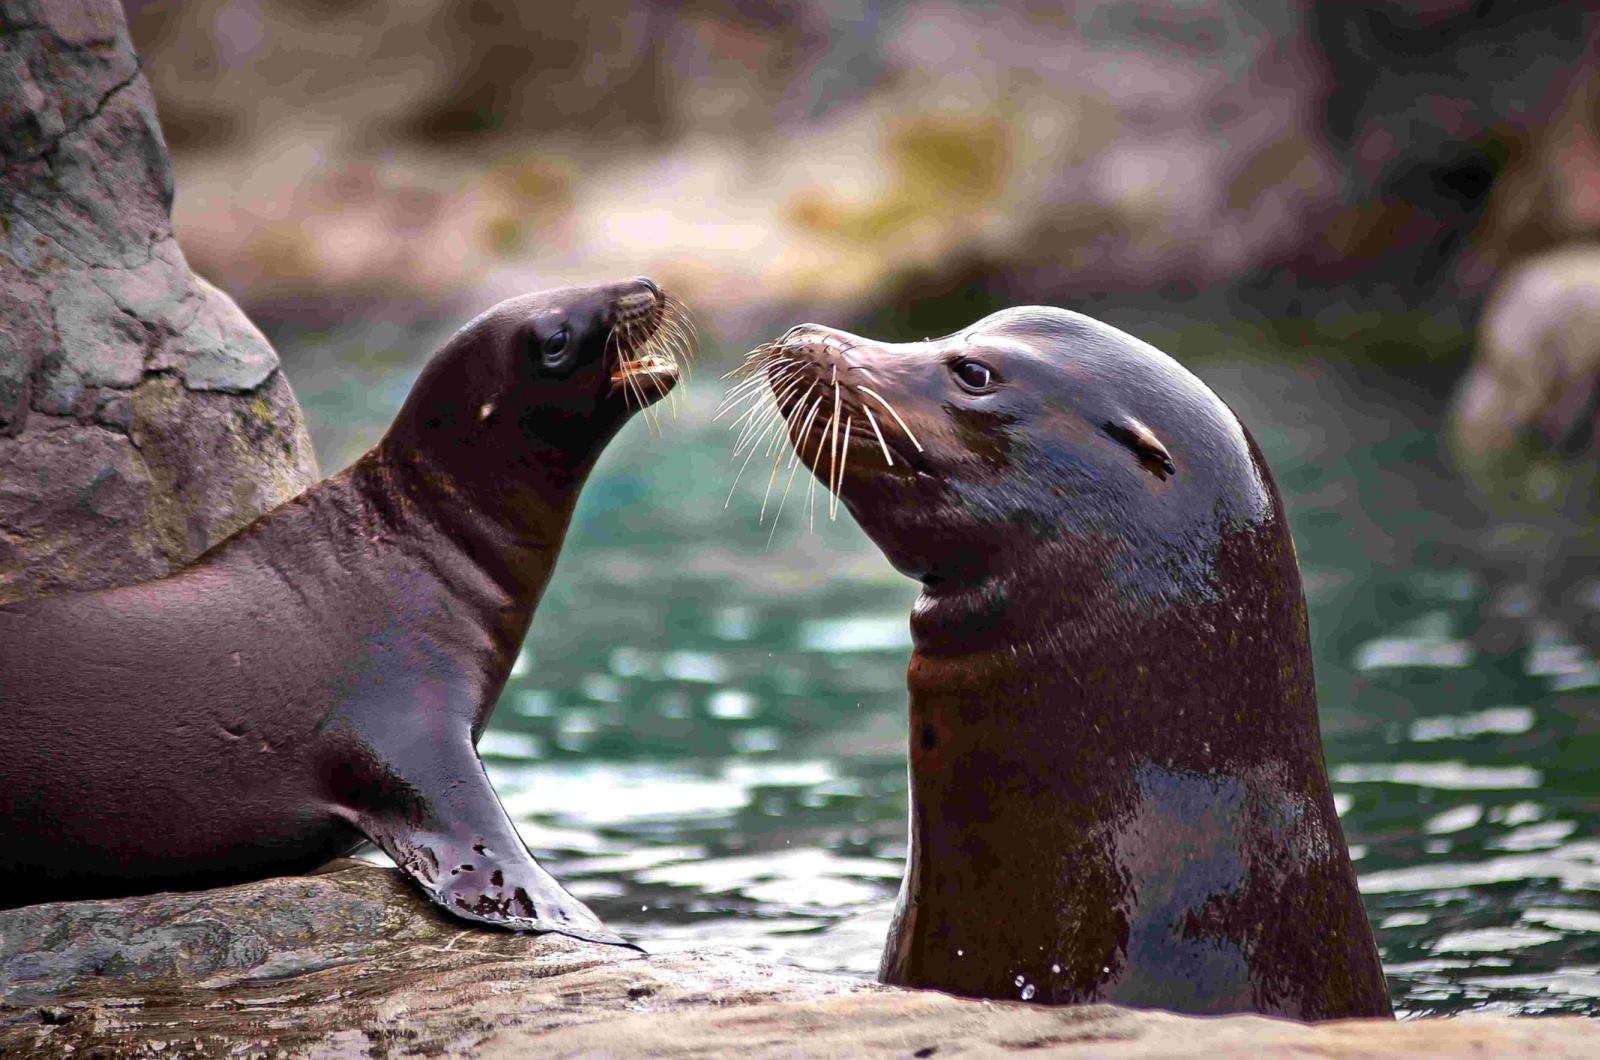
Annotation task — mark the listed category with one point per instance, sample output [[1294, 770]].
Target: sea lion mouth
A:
[[649, 346]]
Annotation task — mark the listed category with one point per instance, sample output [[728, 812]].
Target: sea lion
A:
[[321, 677], [1116, 779]]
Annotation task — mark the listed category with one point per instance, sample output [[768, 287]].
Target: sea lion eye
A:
[[973, 375], [555, 343]]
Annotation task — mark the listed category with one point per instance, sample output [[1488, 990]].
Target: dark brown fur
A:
[[1117, 783], [321, 677]]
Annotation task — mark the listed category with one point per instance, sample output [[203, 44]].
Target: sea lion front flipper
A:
[[448, 832]]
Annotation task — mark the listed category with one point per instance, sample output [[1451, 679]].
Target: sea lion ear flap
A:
[[1144, 444]]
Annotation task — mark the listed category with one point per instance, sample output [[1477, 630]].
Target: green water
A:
[[704, 737]]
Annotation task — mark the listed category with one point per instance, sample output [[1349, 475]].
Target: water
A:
[[705, 736]]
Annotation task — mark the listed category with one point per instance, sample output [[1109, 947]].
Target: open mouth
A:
[[654, 369], [652, 341]]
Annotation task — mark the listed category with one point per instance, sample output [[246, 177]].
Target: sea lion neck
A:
[[511, 528], [504, 424], [1085, 655], [996, 608], [1078, 795]]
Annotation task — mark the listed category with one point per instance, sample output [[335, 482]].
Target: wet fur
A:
[[1117, 783]]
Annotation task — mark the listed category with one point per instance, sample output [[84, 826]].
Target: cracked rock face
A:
[[142, 416]]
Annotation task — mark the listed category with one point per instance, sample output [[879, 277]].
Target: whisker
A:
[[749, 359], [833, 444], [630, 378], [683, 318], [793, 415], [892, 412], [881, 443], [788, 423], [844, 457], [767, 493], [745, 386], [815, 464], [774, 409], [652, 418], [622, 333], [748, 457], [764, 349], [755, 417], [668, 342], [794, 466], [749, 437], [805, 430], [770, 382], [754, 403]]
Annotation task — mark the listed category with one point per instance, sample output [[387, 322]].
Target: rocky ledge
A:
[[352, 963]]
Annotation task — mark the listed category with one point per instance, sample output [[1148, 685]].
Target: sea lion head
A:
[[1037, 450], [1116, 788], [543, 380]]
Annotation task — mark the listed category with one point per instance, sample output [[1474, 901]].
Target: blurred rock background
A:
[[1368, 175], [757, 156]]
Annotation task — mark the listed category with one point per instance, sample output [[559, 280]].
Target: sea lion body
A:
[[320, 678], [1117, 785]]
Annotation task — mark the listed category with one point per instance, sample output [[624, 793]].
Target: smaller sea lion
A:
[[321, 677], [1117, 785]]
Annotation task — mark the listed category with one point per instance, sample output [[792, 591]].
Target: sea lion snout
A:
[[641, 300], [650, 339]]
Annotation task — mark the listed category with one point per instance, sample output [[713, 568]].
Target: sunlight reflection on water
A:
[[706, 737]]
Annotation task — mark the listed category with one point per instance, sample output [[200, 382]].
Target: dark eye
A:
[[974, 375], [555, 343]]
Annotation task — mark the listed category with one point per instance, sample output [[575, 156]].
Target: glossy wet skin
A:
[[1117, 783], [321, 677]]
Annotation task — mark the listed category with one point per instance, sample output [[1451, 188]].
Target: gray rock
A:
[[354, 963], [1537, 367], [142, 416]]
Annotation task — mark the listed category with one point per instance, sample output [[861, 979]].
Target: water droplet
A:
[[1021, 980], [1056, 968], [1028, 992], [644, 908], [961, 953], [1106, 970]]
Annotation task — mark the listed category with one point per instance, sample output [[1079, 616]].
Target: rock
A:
[[142, 416], [1524, 430], [1435, 108], [1538, 362], [747, 162], [354, 963]]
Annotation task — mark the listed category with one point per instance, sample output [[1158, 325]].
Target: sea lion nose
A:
[[649, 285]]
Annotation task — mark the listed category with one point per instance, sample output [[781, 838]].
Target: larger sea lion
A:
[[1117, 785], [321, 677]]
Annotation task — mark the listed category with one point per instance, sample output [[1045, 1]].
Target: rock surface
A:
[[1538, 362], [142, 416], [353, 963]]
